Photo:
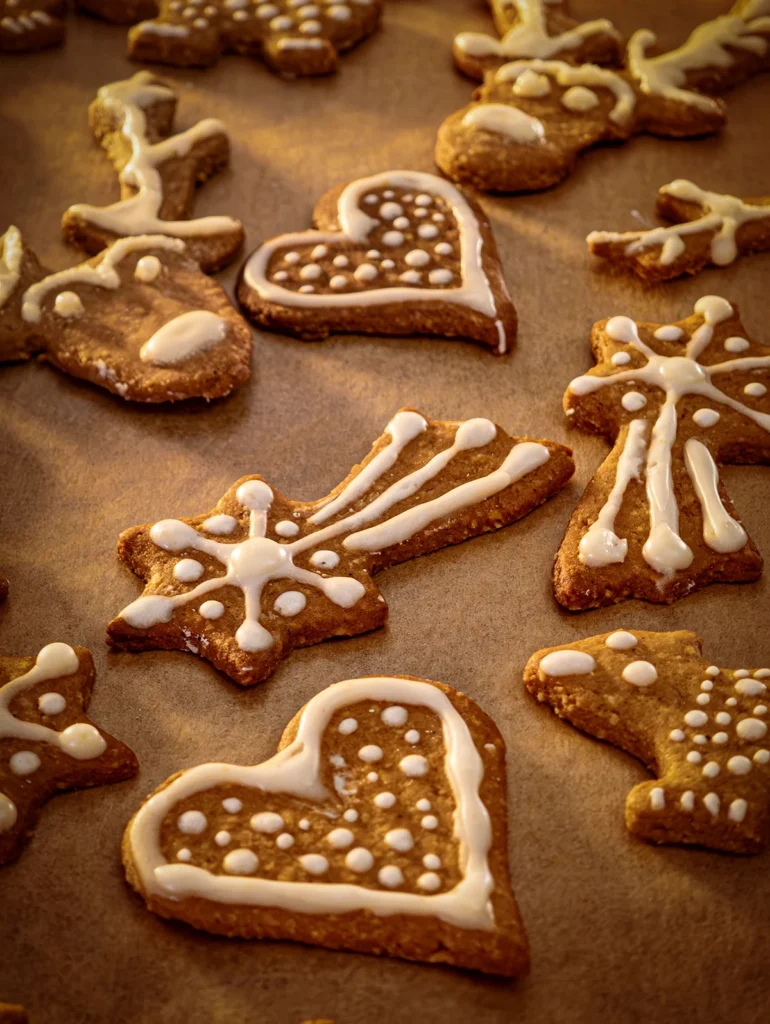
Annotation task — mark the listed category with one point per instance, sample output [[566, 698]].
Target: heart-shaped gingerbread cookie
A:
[[379, 826], [397, 253]]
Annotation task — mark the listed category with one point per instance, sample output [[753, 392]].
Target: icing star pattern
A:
[[700, 729], [261, 574], [677, 399]]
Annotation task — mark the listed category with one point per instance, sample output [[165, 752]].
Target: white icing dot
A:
[[147, 269], [319, 252], [579, 99], [350, 815], [712, 671], [267, 11], [372, 777], [370, 753], [739, 765], [720, 737], [702, 698], [340, 261], [284, 841], [310, 272], [337, 760], [731, 702], [412, 736], [24, 762], [394, 715], [385, 800], [310, 28], [266, 821], [430, 821], [750, 687], [687, 802], [184, 854], [51, 703], [304, 824], [281, 24], [388, 193], [67, 305], [340, 838], [338, 282], [306, 289], [314, 863], [241, 862], [676, 735], [373, 254], [392, 238], [760, 709], [694, 757], [711, 769], [211, 610], [669, 333], [633, 401], [232, 804], [399, 839], [706, 417], [402, 223], [567, 663], [736, 344], [762, 673], [387, 265], [389, 211], [365, 272], [347, 726], [443, 249], [751, 729], [390, 876], [417, 258], [700, 739], [429, 881], [762, 756], [220, 525], [427, 231], [621, 640], [423, 200], [722, 718], [286, 528], [339, 12], [620, 359], [657, 798], [325, 559], [187, 570], [411, 276], [440, 276], [359, 860], [711, 803], [755, 389], [290, 603], [695, 718], [431, 861], [203, 22], [707, 685], [222, 838], [641, 673], [414, 765], [438, 217], [192, 823], [82, 741], [423, 805], [370, 199], [737, 810]]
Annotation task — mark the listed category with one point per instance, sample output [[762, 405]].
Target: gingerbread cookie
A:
[[396, 253], [31, 24], [291, 36], [701, 730], [676, 399], [709, 229], [47, 743], [261, 574], [531, 119], [537, 28], [12, 1013], [380, 826], [158, 174], [140, 319], [119, 12]]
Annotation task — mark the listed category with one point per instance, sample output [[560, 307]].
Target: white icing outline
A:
[[295, 771], [569, 75], [11, 253]]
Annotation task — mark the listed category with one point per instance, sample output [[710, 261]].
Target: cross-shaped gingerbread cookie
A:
[[676, 399], [537, 28], [294, 37], [700, 729], [531, 119], [261, 574], [140, 319], [709, 229], [158, 172], [47, 744]]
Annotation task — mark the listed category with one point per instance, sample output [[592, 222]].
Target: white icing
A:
[[347, 726], [232, 804], [579, 99], [711, 802], [657, 799], [567, 663], [8, 813], [720, 531], [531, 84], [24, 762], [51, 703], [183, 337], [751, 729], [586, 75], [187, 570], [385, 800], [211, 610], [266, 821], [640, 673], [192, 823], [414, 765], [695, 718], [126, 101], [394, 715], [370, 753], [504, 119], [11, 252], [399, 839], [67, 305], [412, 736], [390, 876], [621, 641], [340, 838], [359, 860], [240, 862]]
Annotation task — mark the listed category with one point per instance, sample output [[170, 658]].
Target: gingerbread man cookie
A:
[[396, 253], [261, 574], [291, 36], [46, 741], [709, 229], [379, 826], [676, 399], [31, 24], [140, 319], [700, 729], [158, 174], [531, 119], [537, 28]]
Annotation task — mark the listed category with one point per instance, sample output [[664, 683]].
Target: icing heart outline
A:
[[295, 771]]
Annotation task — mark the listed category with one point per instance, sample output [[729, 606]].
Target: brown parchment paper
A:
[[620, 931]]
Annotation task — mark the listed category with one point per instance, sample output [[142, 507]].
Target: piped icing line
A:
[[104, 274], [475, 291], [529, 36], [139, 214], [678, 376], [10, 263], [81, 740], [295, 770], [722, 214], [252, 563], [183, 337], [707, 47], [720, 531], [566, 75]]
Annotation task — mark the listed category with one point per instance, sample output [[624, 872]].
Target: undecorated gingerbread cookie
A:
[[379, 826], [537, 28], [140, 319], [291, 36], [46, 742], [158, 172], [709, 229], [677, 400], [31, 24], [531, 119], [701, 730], [396, 253], [261, 574]]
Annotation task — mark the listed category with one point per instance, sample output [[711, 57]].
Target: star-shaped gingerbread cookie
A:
[[677, 400], [261, 574], [379, 826], [140, 319], [47, 744], [701, 730]]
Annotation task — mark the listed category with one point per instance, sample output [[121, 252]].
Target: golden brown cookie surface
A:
[[709, 229], [292, 37], [676, 399], [158, 172], [140, 319], [700, 729], [261, 574], [396, 253], [380, 826], [48, 745]]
